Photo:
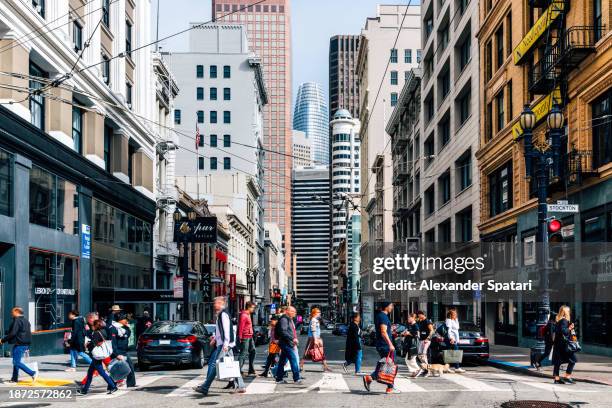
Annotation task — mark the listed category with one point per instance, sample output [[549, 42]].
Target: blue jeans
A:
[[357, 361], [18, 352], [211, 373], [74, 357], [453, 347], [96, 365], [288, 353], [382, 353]]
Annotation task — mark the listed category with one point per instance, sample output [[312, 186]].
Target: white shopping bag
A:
[[227, 368], [32, 365]]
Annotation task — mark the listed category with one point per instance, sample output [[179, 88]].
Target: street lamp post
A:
[[251, 282], [182, 229], [546, 157]]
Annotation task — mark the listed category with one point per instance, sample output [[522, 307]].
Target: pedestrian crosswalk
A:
[[176, 385]]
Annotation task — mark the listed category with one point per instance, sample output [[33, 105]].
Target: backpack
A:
[[442, 331]]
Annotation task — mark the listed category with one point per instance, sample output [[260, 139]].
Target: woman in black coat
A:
[[563, 331], [353, 353], [77, 340]]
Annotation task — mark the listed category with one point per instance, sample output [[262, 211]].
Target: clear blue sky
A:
[[314, 22]]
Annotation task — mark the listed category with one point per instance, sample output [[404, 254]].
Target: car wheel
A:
[[143, 366], [199, 362]]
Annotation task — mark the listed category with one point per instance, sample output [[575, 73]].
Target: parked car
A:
[[260, 334], [174, 342], [474, 344], [340, 329]]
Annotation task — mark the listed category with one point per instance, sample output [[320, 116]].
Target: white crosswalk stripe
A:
[[187, 388], [537, 383], [470, 384], [406, 385], [261, 387], [141, 382]]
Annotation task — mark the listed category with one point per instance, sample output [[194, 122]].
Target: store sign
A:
[[538, 29], [204, 230], [177, 287], [232, 279], [58, 291], [85, 241], [540, 110]]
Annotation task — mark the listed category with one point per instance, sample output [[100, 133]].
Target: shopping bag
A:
[[453, 356], [387, 370], [102, 350], [32, 365], [286, 369], [273, 348], [119, 369], [227, 367], [316, 353]]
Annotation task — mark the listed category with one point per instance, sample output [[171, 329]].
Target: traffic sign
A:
[[564, 208]]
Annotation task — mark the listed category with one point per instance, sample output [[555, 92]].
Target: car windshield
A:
[[468, 326], [171, 327]]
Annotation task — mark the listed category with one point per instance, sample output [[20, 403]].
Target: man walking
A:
[[120, 335], [223, 341], [426, 333], [20, 336], [384, 343], [286, 335], [77, 340], [245, 335]]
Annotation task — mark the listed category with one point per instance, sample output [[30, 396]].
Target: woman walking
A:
[[77, 340], [314, 338], [564, 333], [452, 338], [97, 339], [411, 342], [273, 348], [354, 352]]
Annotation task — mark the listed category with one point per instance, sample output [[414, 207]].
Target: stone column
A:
[[93, 137], [22, 231], [119, 155], [59, 116]]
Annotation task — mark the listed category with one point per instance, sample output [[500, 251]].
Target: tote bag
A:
[[387, 370], [453, 356], [227, 367], [316, 353], [102, 350]]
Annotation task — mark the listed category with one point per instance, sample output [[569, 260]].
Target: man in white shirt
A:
[[224, 340]]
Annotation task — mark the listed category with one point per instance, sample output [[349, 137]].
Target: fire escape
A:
[[560, 50]]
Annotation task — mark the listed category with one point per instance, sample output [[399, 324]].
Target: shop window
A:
[[6, 183], [602, 129], [500, 190], [53, 201]]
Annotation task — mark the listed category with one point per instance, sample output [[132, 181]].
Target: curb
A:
[[518, 368]]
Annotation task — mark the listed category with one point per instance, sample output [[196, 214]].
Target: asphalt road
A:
[[481, 386]]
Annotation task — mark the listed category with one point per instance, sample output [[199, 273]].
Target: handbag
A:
[[227, 367], [102, 350], [273, 348], [119, 369], [316, 353], [453, 356], [387, 370], [571, 343]]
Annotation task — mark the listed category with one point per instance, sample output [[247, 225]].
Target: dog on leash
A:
[[437, 369]]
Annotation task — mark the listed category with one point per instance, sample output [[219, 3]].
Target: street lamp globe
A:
[[177, 215], [192, 215], [555, 118], [527, 118]]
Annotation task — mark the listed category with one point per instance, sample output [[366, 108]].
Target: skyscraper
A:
[[343, 80], [310, 236], [310, 116], [269, 36]]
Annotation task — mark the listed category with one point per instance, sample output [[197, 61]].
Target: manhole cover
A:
[[534, 404]]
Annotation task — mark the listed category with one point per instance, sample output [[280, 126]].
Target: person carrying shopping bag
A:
[[385, 369], [452, 337], [354, 352], [100, 350], [314, 346], [223, 341], [20, 336]]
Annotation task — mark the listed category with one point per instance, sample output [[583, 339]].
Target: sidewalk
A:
[[590, 368]]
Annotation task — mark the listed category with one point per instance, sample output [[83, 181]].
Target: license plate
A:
[[464, 341], [164, 342]]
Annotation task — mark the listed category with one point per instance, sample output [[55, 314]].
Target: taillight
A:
[[438, 339], [481, 340], [188, 339], [143, 341]]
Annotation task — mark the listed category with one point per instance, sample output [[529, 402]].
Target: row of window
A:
[[463, 177], [214, 165], [227, 141], [213, 116], [250, 8], [463, 228], [212, 71], [227, 94], [407, 56]]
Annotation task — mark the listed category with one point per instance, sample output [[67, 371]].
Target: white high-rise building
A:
[[311, 117], [302, 150]]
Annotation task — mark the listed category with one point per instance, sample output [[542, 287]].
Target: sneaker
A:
[[35, 376], [81, 392], [70, 370], [344, 368], [393, 391], [200, 390], [367, 380], [281, 382], [299, 382], [229, 385], [239, 391], [112, 390], [459, 370], [417, 373], [452, 370], [559, 381], [360, 373]]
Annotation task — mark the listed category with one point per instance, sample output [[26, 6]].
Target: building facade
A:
[[343, 80], [302, 150], [381, 69], [310, 240], [540, 54], [276, 289], [269, 28], [449, 123], [310, 116], [77, 163]]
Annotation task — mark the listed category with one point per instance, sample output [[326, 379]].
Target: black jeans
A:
[[130, 381], [269, 361], [571, 362]]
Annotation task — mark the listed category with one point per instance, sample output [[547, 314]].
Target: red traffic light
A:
[[554, 226]]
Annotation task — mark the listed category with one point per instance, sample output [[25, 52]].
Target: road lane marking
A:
[[329, 383], [406, 385], [547, 386], [187, 388], [469, 384], [261, 387], [140, 381]]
